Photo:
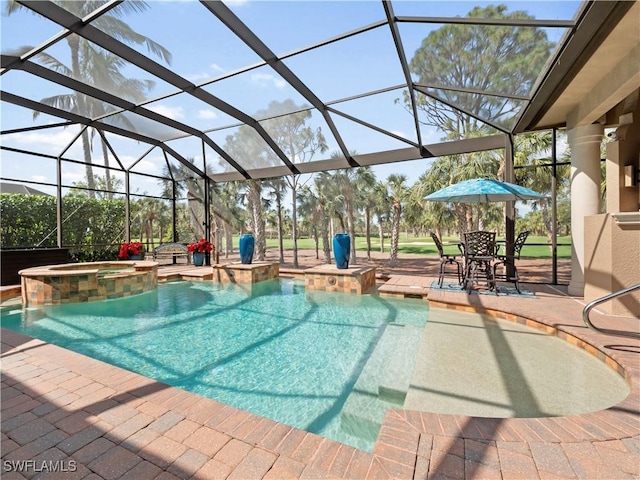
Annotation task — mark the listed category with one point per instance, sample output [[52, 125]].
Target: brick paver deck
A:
[[105, 422]]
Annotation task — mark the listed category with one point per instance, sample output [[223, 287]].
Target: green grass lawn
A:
[[425, 245]]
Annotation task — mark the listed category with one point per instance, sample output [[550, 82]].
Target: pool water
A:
[[276, 350]]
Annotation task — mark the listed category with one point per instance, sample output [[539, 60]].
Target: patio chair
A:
[[446, 259], [508, 262], [479, 252]]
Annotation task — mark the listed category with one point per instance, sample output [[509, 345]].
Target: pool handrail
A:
[[589, 306]]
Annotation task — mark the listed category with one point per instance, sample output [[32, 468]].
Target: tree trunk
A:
[[294, 222], [326, 248], [395, 234], [314, 233], [352, 233], [150, 233], [367, 223], [255, 200], [547, 220], [280, 232], [74, 45], [228, 239], [107, 171]]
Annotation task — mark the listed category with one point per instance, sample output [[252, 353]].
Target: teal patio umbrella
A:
[[483, 190]]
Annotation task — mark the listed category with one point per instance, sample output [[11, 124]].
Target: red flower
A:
[[130, 248], [201, 246]]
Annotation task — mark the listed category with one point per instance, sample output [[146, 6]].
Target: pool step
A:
[[394, 384], [383, 382]]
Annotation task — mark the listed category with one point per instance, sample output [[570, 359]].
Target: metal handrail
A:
[[589, 306]]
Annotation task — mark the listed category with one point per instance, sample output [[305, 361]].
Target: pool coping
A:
[[411, 444]]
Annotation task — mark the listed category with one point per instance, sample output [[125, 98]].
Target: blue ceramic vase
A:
[[342, 250], [198, 259], [247, 243]]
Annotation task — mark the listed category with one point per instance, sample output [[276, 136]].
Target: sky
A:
[[203, 50]]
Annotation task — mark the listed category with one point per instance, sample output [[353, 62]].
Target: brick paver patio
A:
[[104, 422]]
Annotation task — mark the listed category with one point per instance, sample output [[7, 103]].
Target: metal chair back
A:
[[518, 244], [438, 243], [479, 243]]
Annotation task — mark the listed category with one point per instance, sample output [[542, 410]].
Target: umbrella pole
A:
[[510, 207], [554, 210]]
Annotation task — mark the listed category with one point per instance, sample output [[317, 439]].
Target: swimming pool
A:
[[279, 352], [329, 363]]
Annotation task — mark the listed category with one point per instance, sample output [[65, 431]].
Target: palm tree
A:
[[535, 176], [190, 187], [227, 214], [350, 184], [415, 214], [163, 217], [325, 207], [397, 193], [87, 62], [381, 209], [276, 189], [345, 183], [253, 197], [366, 183], [149, 209], [309, 215], [245, 144], [103, 69]]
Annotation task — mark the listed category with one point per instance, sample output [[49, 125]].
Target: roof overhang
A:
[[598, 68]]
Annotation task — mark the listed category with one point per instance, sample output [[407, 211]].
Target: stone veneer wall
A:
[[70, 287], [331, 279], [243, 273]]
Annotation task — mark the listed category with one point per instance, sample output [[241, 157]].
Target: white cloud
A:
[[56, 140], [207, 114], [152, 165], [175, 113], [196, 77], [126, 160], [199, 77], [263, 79], [40, 178], [76, 176]]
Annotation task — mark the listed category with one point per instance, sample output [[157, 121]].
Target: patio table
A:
[[479, 249]]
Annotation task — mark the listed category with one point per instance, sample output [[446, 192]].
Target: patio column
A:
[[585, 143]]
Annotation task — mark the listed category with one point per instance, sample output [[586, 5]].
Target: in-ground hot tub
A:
[[86, 282]]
